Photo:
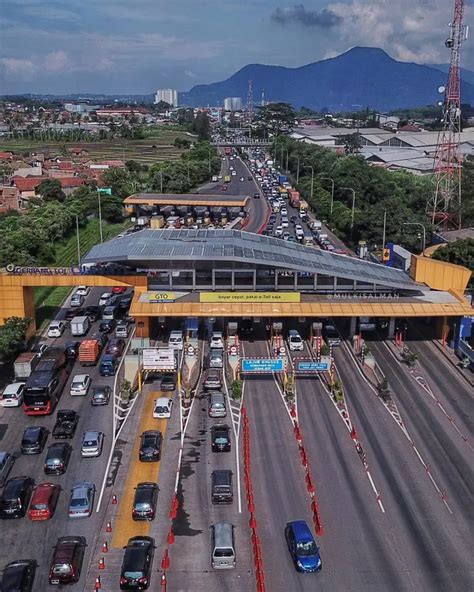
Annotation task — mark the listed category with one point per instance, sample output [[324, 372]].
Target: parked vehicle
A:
[[81, 502], [56, 328], [137, 563], [6, 463], [162, 408], [18, 576], [12, 396], [15, 497], [80, 326], [68, 556], [220, 438], [43, 502], [57, 458], [66, 424], [33, 440], [302, 547], [144, 502], [101, 395], [24, 365], [150, 446], [92, 443]]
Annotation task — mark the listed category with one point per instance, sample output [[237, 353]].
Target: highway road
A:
[[23, 538]]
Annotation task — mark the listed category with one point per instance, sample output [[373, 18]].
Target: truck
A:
[[157, 221], [80, 326], [89, 352], [215, 178], [227, 179], [282, 179], [317, 225], [142, 221], [294, 198], [24, 365]]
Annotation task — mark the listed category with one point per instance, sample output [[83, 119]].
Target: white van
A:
[[222, 546], [176, 340]]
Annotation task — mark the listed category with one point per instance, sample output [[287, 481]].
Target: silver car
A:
[[81, 503], [216, 359], [92, 443]]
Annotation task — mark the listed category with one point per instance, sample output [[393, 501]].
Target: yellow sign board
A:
[[244, 297], [161, 297]]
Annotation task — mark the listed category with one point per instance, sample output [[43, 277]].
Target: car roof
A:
[[90, 434], [81, 488], [32, 431], [293, 332], [80, 377], [163, 401], [13, 387], [301, 530], [43, 492]]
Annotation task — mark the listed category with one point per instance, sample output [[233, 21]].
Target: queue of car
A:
[[20, 496]]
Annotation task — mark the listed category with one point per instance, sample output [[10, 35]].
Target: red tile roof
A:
[[27, 183], [6, 155], [68, 182]]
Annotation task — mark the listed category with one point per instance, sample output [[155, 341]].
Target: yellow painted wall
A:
[[439, 275]]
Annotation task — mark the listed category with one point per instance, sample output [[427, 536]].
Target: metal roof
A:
[[186, 199], [149, 247]]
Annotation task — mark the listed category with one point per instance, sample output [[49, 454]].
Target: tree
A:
[[352, 143], [12, 337], [162, 106], [50, 190], [202, 126], [122, 182], [276, 118]]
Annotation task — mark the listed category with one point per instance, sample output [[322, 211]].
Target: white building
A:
[[233, 104], [168, 95]]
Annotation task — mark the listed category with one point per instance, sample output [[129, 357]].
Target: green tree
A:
[[276, 118], [352, 143], [50, 190], [12, 337], [202, 126], [122, 182]]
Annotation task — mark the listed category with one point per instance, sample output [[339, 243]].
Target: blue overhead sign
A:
[[263, 365], [312, 366]]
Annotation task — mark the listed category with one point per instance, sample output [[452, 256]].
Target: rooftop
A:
[[188, 199]]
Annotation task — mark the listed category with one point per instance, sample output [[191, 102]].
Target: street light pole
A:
[[308, 166], [100, 219], [332, 191], [424, 233], [78, 241], [287, 154], [298, 170], [353, 205]]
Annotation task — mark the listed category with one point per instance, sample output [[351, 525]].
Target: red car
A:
[[44, 500], [115, 347], [119, 289]]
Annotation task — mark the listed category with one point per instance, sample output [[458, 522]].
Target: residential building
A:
[[233, 104], [167, 95], [9, 199]]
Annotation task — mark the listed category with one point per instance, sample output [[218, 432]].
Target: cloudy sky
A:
[[136, 46]]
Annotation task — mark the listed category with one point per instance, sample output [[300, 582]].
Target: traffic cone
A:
[[165, 561], [114, 500], [105, 547], [101, 563], [98, 585], [108, 527], [170, 537]]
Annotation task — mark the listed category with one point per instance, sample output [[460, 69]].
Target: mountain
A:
[[362, 77], [466, 75]]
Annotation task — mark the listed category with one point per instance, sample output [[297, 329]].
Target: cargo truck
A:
[[295, 199], [80, 326], [227, 179], [282, 179], [24, 365], [89, 352]]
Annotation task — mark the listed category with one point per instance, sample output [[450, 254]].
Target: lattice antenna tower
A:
[[444, 207], [249, 101]]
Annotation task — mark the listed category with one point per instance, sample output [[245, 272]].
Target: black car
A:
[[137, 563], [126, 301], [115, 347], [101, 338], [18, 576], [220, 438], [33, 440], [293, 219], [256, 195], [150, 446], [15, 497], [66, 424], [57, 459], [93, 312], [72, 348], [74, 312], [144, 502], [107, 326], [101, 395], [168, 382]]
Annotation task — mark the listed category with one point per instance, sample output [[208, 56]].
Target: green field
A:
[[49, 300], [156, 147]]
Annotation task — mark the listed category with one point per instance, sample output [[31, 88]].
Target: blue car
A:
[[302, 547]]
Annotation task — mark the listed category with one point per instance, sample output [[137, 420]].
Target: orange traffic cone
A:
[[98, 585], [108, 527], [114, 500], [105, 547], [101, 563]]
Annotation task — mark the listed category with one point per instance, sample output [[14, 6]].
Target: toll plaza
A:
[[160, 209], [235, 274]]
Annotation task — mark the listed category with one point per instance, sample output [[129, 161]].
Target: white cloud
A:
[[57, 61], [17, 67]]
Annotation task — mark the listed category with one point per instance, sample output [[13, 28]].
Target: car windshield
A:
[[223, 553], [61, 569], [90, 443], [142, 506], [221, 440], [78, 502], [39, 507], [306, 548], [133, 575], [161, 409], [78, 384]]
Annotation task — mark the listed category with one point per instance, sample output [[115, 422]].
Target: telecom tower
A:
[[444, 207], [249, 101]]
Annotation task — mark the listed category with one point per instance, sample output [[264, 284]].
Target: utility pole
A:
[[424, 233], [100, 219], [78, 241]]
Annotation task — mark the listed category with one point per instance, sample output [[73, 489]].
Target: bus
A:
[[45, 384]]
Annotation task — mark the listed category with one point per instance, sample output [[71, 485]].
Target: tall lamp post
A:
[[140, 325], [332, 191], [353, 205], [424, 233], [100, 217], [78, 242], [281, 159], [308, 166]]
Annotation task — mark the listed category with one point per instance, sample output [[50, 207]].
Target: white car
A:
[[105, 298], [233, 173], [12, 396], [80, 385], [284, 211], [294, 341], [162, 408], [284, 223], [92, 444], [83, 290], [217, 340], [56, 328], [278, 231]]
